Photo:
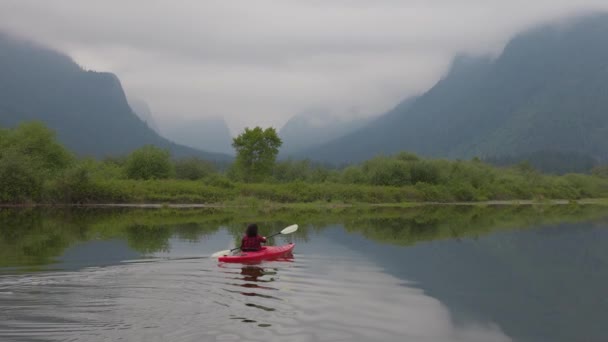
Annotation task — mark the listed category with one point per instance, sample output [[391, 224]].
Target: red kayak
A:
[[266, 253]]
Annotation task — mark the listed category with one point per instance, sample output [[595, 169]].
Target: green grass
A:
[[571, 187]]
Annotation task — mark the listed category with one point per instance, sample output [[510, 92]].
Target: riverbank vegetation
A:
[[35, 168], [34, 237]]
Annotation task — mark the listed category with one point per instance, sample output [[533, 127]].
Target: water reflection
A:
[[349, 299], [423, 274], [35, 238], [251, 273]]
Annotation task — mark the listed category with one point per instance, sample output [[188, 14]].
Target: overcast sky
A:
[[259, 62]]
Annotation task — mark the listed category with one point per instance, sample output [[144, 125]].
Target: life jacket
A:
[[252, 243]]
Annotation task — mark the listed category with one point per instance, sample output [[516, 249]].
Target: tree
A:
[[36, 141], [256, 153], [19, 180], [600, 171], [29, 156], [149, 162]]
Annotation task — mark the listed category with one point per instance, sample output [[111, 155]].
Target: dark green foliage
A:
[[600, 171], [19, 181], [256, 152], [549, 161], [403, 169], [29, 155], [36, 141], [219, 181], [424, 172], [353, 175], [300, 170], [35, 168], [156, 238], [548, 90], [149, 162], [76, 185], [119, 161], [407, 156], [193, 168], [387, 171]]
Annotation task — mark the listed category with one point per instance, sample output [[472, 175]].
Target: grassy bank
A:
[[90, 190], [574, 187], [35, 168]]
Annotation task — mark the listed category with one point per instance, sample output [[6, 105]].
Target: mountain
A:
[[87, 109], [313, 128], [548, 90], [211, 134], [143, 111], [549, 161]]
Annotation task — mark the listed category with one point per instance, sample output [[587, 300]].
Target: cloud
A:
[[262, 61]]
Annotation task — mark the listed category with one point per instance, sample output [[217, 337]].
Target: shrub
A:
[[149, 162], [75, 185], [38, 143], [193, 168], [425, 172], [218, 181], [353, 175], [600, 171], [19, 180], [407, 156], [463, 192], [387, 171]]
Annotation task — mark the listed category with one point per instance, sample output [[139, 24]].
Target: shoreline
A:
[[319, 205]]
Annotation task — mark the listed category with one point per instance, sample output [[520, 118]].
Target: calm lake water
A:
[[421, 274]]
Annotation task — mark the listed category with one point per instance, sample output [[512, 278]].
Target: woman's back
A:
[[252, 241]]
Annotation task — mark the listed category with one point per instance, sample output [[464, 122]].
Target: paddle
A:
[[285, 231]]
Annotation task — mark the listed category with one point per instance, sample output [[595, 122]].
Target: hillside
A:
[[143, 111], [87, 109], [313, 128], [548, 90]]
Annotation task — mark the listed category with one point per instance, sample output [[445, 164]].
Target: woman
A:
[[252, 241]]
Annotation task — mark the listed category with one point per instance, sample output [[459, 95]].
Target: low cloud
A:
[[261, 62]]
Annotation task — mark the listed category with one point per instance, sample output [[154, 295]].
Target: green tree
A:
[[76, 184], [149, 162], [36, 141], [19, 180], [29, 156], [256, 153], [407, 156], [387, 171], [424, 171], [600, 171], [3, 135]]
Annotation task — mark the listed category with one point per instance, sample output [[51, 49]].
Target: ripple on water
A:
[[309, 299]]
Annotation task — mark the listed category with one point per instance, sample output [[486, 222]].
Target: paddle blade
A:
[[290, 229], [220, 253]]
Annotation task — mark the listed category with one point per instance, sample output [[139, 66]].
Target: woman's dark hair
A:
[[252, 230]]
